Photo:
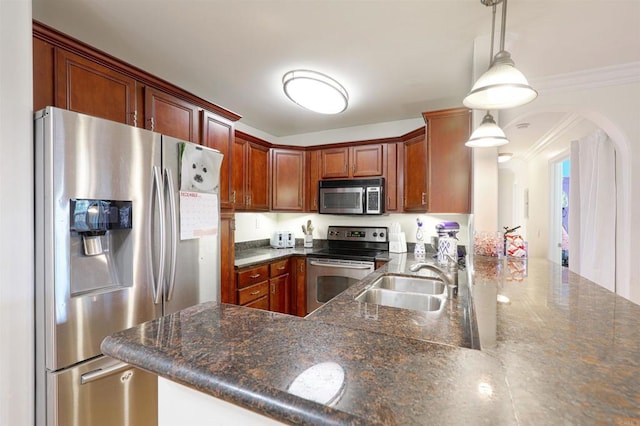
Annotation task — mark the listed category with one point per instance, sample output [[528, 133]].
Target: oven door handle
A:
[[334, 265]]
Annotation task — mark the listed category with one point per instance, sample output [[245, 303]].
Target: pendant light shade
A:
[[488, 134], [315, 91], [501, 86]]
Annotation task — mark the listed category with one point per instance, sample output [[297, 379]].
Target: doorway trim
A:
[[554, 249]]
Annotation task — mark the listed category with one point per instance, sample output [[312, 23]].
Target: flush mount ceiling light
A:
[[487, 134], [503, 157], [502, 85], [315, 91]]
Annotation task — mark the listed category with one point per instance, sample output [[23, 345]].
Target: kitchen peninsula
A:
[[558, 349]]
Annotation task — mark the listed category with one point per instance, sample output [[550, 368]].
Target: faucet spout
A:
[[449, 276]]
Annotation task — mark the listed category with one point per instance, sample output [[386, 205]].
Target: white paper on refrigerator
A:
[[198, 214]]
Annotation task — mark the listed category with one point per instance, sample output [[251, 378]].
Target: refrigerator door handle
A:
[[159, 188], [174, 233], [103, 372]]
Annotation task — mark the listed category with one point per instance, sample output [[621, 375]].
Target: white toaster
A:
[[278, 239]]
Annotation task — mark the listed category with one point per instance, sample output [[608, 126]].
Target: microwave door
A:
[[342, 200]]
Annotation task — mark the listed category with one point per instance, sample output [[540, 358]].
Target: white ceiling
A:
[[397, 58]]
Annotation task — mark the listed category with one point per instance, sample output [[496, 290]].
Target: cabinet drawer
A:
[[251, 293], [262, 303], [252, 276], [279, 268]]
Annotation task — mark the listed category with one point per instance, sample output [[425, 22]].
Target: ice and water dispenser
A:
[[100, 256]]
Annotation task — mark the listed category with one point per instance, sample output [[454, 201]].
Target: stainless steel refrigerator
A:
[[126, 231]]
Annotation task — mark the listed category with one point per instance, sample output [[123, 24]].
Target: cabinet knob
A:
[[233, 197], [424, 198], [254, 276], [253, 293]]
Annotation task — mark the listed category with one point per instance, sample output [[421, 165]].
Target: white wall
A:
[[16, 215], [614, 106]]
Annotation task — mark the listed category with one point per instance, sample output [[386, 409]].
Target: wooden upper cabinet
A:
[[287, 179], [353, 161], [88, 87], [449, 160], [335, 163], [250, 175], [169, 115], [258, 177], [217, 133], [313, 176], [367, 160], [415, 174], [43, 83], [393, 177]]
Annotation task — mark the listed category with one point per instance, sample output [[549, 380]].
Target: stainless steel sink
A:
[[400, 299], [397, 291], [433, 286]]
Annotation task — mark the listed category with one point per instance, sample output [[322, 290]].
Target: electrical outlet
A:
[[257, 222]]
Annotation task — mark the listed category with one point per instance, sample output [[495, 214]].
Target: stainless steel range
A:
[[349, 257]]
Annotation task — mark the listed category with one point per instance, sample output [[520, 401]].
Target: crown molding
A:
[[589, 79], [568, 122]]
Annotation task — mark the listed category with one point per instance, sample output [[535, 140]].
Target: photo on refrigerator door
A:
[[197, 169]]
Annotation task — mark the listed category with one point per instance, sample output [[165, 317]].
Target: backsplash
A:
[[259, 226]]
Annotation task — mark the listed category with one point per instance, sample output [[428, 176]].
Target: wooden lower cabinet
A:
[[269, 286], [253, 285], [280, 293], [261, 303], [227, 257], [253, 292], [299, 286]]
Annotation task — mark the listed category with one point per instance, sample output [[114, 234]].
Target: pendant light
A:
[[502, 85], [487, 134], [315, 91]]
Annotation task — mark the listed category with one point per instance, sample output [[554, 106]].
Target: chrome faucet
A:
[[449, 276]]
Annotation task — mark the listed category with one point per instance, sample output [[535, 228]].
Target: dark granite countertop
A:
[[559, 350], [259, 255]]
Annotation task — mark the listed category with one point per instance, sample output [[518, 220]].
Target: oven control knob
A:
[[375, 234], [382, 235]]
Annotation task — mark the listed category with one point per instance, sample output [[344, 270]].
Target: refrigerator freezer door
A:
[[103, 392], [81, 298], [193, 265]]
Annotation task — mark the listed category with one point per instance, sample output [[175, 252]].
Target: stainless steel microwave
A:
[[351, 196]]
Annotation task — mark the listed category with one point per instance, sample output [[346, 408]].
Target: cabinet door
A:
[[217, 133], [90, 88], [449, 161], [415, 174], [280, 294], [367, 160], [43, 83], [313, 176], [257, 174], [299, 286], [288, 178], [393, 177], [335, 163], [239, 193], [169, 115], [227, 258]]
